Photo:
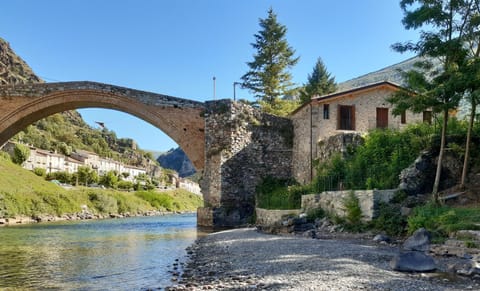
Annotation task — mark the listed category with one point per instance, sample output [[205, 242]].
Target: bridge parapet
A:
[[43, 89]]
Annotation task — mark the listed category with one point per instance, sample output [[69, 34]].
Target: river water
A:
[[113, 254]]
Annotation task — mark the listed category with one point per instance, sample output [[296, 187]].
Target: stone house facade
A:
[[356, 110]]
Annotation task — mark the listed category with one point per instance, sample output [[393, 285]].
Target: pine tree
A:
[[268, 77], [320, 82]]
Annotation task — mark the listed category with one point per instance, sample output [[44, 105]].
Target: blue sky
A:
[[176, 47]]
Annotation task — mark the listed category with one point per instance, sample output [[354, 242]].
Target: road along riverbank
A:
[[244, 259]]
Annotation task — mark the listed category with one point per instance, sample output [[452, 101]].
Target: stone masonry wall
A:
[[242, 146], [333, 201]]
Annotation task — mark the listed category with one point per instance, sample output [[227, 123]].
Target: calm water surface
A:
[[114, 254]]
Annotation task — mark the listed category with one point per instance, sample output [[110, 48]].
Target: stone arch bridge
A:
[[233, 144]]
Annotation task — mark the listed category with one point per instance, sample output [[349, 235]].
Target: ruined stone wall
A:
[[243, 145], [334, 201]]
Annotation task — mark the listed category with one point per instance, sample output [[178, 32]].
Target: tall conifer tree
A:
[[268, 77], [320, 82]]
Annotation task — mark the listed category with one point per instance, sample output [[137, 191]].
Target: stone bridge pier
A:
[[242, 146]]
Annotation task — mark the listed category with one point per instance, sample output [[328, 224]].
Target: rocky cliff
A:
[[177, 160], [14, 70]]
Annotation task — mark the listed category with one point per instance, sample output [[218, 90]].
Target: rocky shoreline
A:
[[83, 215], [247, 259]]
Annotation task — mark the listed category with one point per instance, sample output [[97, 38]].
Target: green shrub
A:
[[160, 201], [443, 221], [389, 219], [125, 185], [5, 156], [275, 193], [40, 172], [353, 212], [315, 213]]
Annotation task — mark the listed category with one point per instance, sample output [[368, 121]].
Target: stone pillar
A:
[[242, 146]]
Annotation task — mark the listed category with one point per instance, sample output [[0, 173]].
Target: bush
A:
[[103, 202], [274, 193], [40, 172], [5, 156], [160, 201], [125, 185], [443, 221], [20, 153], [390, 219], [352, 208]]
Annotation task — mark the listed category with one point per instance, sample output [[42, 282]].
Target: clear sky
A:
[[175, 47]]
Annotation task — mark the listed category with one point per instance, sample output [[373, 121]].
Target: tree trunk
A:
[[440, 156], [467, 144]]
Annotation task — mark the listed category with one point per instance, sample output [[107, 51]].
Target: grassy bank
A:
[[24, 193]]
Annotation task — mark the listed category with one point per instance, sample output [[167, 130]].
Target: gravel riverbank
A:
[[245, 259]]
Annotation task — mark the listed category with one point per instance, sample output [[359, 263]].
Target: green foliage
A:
[[353, 212], [125, 185], [315, 213], [40, 172], [268, 77], [86, 175], [320, 82], [279, 107], [61, 176], [376, 163], [160, 201], [109, 180], [5, 156], [20, 153], [443, 221], [390, 219], [103, 202], [275, 193]]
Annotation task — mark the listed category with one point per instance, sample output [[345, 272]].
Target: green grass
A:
[[283, 194], [24, 193], [443, 221]]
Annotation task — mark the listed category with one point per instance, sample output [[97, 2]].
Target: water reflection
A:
[[124, 254]]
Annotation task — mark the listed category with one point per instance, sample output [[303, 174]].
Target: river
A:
[[112, 254]]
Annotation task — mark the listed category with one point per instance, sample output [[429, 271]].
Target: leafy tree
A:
[[86, 175], [320, 82], [268, 77], [109, 180], [471, 76], [20, 153], [443, 25]]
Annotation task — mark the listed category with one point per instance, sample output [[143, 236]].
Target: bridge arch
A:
[[181, 119]]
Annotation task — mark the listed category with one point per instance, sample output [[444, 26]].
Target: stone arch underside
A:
[[181, 119]]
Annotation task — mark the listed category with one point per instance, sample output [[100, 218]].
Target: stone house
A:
[[356, 110]]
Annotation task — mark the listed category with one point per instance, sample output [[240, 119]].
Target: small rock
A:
[[381, 238], [412, 262], [419, 241]]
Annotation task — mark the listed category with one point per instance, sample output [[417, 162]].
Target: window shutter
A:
[[353, 117], [339, 113]]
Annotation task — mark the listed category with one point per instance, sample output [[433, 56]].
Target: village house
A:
[[356, 110]]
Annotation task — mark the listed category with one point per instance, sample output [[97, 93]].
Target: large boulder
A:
[[417, 178], [413, 262], [419, 241]]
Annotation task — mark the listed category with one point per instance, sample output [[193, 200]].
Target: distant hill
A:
[[391, 73], [67, 131], [177, 160]]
